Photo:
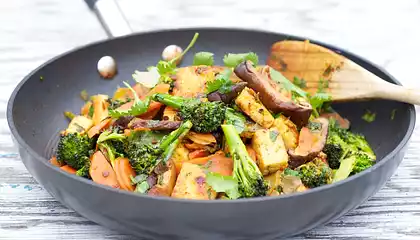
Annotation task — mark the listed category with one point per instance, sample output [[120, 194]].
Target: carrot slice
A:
[[154, 107], [216, 163], [251, 153], [85, 109], [194, 146], [54, 161], [159, 88], [101, 171], [68, 169], [100, 109], [198, 153], [123, 170], [97, 128], [151, 112]]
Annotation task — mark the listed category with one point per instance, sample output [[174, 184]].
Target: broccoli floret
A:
[[350, 151], [352, 164], [334, 153], [290, 172], [315, 173], [205, 116], [362, 162], [235, 118], [250, 180], [84, 171], [74, 150], [111, 143], [359, 142], [145, 155]]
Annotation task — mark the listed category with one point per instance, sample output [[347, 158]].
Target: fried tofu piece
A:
[[80, 124], [191, 184], [165, 183], [288, 131], [271, 151], [251, 106], [170, 114]]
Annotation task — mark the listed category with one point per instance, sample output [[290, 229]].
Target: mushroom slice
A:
[[273, 95], [139, 124], [312, 140]]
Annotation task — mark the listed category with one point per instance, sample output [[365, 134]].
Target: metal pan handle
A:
[[111, 17]]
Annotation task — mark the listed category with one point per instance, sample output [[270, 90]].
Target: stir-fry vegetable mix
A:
[[211, 132]]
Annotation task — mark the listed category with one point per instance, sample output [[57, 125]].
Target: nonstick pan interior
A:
[[35, 114]]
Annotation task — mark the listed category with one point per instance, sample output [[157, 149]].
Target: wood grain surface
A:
[[32, 31]]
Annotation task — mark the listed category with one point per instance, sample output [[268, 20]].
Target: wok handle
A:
[[111, 17]]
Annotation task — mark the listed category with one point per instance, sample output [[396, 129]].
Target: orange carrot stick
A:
[[123, 171], [68, 169], [97, 128]]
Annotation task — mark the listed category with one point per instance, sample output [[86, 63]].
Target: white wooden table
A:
[[384, 31]]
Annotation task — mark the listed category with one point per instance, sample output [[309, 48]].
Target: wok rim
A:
[[22, 143]]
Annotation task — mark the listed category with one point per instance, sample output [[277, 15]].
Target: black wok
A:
[[35, 118]]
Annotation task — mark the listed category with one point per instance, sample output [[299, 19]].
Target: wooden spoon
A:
[[324, 69]]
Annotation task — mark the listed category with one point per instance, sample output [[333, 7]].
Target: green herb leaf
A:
[[393, 113], [314, 126], [142, 187], [277, 115], [286, 84], [322, 85], [138, 107], [108, 135], [232, 60], [290, 172], [222, 83], [273, 135], [317, 101], [226, 184], [91, 110], [301, 83], [369, 116], [84, 95], [168, 68], [203, 58], [138, 179], [69, 115], [236, 119]]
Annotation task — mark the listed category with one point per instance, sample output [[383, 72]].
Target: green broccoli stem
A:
[[108, 135], [234, 141], [170, 143], [174, 135], [109, 152], [169, 100], [167, 154], [250, 179], [346, 166]]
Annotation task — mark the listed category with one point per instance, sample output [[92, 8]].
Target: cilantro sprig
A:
[[138, 107], [233, 59], [203, 58], [168, 68], [226, 184], [317, 100], [221, 83]]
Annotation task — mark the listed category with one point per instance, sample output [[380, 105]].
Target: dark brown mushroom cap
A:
[[312, 139], [227, 97], [270, 96]]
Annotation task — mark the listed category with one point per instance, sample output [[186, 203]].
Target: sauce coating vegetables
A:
[[206, 131]]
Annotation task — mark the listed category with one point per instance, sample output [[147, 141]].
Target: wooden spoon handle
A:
[[395, 92]]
